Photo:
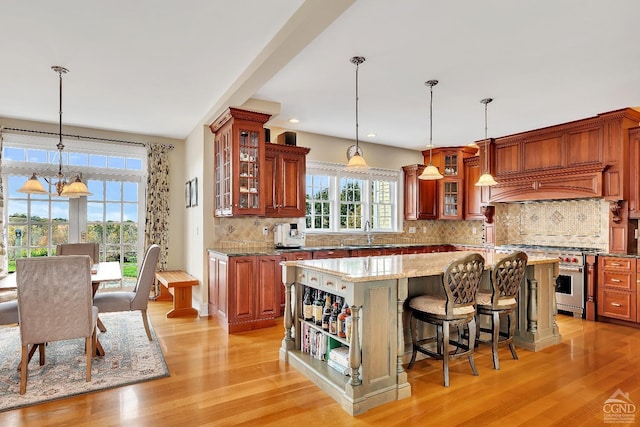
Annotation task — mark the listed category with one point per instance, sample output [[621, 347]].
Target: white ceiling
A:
[[160, 68]]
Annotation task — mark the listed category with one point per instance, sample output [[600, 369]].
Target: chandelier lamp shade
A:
[[73, 189], [430, 172], [357, 162], [486, 179]]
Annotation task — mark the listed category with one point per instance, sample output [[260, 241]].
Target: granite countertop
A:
[[364, 269], [249, 250]]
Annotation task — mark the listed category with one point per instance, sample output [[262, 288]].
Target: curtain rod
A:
[[94, 138]]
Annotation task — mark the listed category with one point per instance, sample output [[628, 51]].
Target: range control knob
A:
[[574, 260], [566, 259]]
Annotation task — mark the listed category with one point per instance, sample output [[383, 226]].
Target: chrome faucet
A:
[[367, 229]]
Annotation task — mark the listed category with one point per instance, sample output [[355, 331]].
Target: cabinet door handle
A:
[[616, 304], [313, 279], [330, 284], [616, 264], [614, 280]]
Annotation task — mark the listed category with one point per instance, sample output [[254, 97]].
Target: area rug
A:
[[129, 358]]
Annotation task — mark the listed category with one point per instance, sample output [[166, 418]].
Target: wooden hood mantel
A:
[[580, 159], [550, 185]]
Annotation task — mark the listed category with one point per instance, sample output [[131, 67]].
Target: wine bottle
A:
[[317, 308], [333, 320], [307, 305], [341, 321], [326, 314]]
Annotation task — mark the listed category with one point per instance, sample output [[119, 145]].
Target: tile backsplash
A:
[[247, 232], [582, 223]]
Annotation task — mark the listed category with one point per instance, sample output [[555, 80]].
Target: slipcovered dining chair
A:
[[502, 301], [460, 281], [137, 299], [9, 312], [55, 303], [91, 249]]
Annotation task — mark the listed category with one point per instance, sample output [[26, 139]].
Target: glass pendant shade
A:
[[33, 186], [430, 173], [357, 162], [76, 189], [486, 180]]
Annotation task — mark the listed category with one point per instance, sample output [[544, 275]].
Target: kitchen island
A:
[[377, 289]]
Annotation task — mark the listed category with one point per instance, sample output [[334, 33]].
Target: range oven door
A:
[[570, 289]]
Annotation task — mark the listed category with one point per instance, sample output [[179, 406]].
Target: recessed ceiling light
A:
[[371, 135], [294, 121]]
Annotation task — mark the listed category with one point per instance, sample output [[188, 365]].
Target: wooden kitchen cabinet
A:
[[239, 156], [451, 188], [475, 197], [242, 291], [331, 253], [420, 196], [634, 172], [284, 179], [617, 288]]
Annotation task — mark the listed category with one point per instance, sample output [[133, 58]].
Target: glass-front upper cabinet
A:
[[239, 162]]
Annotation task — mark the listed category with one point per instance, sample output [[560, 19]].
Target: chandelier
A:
[[357, 162], [72, 189]]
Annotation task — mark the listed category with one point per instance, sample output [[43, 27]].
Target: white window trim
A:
[[49, 142], [336, 171]]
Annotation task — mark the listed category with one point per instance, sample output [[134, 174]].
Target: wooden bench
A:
[[178, 283]]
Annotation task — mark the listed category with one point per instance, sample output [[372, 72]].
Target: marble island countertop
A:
[[364, 269]]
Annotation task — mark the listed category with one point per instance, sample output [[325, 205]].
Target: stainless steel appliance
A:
[[288, 235], [570, 283]]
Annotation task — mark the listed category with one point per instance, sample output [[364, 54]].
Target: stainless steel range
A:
[[570, 283]]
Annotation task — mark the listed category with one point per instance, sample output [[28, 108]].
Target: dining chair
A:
[[138, 298], [91, 249], [460, 281], [55, 303], [501, 302], [9, 312]]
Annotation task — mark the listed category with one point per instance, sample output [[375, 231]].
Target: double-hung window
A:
[[344, 201]]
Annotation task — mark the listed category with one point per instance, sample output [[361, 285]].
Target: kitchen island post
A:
[[376, 289]]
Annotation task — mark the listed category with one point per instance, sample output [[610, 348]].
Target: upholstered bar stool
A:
[[460, 280], [502, 301]]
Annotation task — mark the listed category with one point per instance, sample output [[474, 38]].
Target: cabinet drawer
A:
[[333, 285], [608, 262], [310, 278], [620, 305], [330, 283], [618, 279]]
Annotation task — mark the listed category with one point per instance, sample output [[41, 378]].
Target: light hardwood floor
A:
[[220, 380]]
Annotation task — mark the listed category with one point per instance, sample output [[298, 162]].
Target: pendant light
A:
[[72, 190], [431, 172], [357, 162], [486, 180]]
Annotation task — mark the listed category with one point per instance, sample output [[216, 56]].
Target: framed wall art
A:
[[187, 194], [194, 192]]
